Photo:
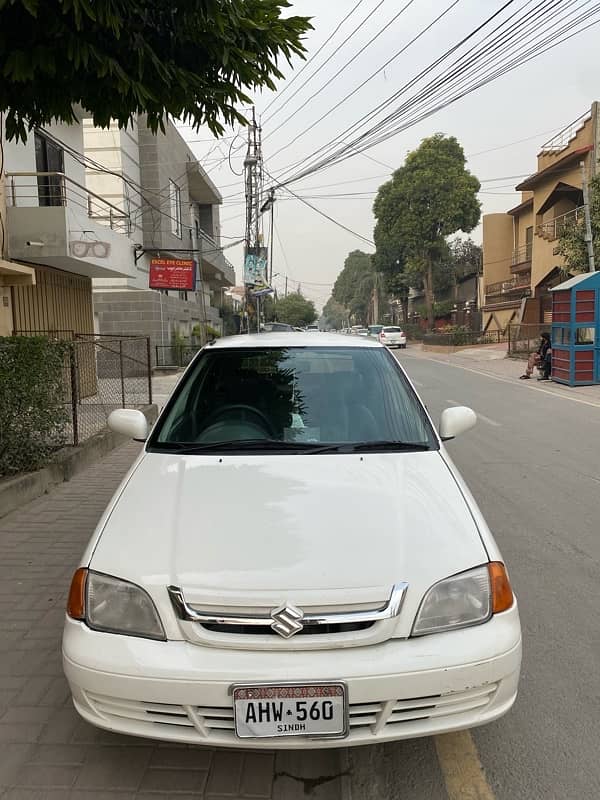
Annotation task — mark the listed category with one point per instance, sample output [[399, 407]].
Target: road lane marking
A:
[[480, 416], [462, 770], [508, 380]]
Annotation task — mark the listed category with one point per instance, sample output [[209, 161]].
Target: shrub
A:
[[33, 415]]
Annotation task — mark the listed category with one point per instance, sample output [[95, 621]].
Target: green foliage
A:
[[428, 199], [440, 310], [194, 59], [571, 244], [33, 415], [334, 314], [212, 333], [353, 288], [296, 310]]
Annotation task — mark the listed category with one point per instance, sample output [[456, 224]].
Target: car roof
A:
[[291, 339]]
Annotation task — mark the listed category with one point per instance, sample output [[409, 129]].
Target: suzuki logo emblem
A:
[[287, 620]]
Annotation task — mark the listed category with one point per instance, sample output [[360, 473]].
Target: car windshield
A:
[[392, 330], [288, 398]]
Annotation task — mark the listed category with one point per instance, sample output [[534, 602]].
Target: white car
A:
[[292, 561], [392, 336]]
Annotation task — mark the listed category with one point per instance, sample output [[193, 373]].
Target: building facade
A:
[[520, 260], [174, 211], [58, 235]]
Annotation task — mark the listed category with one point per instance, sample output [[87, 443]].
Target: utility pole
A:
[[589, 241], [253, 177], [285, 295]]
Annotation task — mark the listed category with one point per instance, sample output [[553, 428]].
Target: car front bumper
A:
[[401, 689]]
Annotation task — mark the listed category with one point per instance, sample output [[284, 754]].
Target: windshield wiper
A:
[[277, 445], [385, 445], [238, 446]]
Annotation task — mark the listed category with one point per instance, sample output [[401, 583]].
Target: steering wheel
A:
[[238, 407]]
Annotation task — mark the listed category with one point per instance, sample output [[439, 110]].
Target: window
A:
[[562, 336], [585, 336], [528, 242], [49, 158], [175, 198], [294, 395]]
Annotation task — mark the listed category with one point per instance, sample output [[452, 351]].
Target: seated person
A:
[[538, 358]]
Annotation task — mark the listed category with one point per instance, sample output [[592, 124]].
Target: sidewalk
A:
[[491, 360], [46, 751]]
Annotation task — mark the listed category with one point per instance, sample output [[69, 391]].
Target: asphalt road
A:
[[533, 464]]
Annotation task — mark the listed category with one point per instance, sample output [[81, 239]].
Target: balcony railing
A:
[[45, 189], [521, 255], [516, 283], [562, 139], [552, 230]]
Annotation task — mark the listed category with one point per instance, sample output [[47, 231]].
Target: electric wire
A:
[[545, 44]]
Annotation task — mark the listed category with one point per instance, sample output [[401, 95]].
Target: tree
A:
[[428, 199], [572, 245], [354, 285], [193, 59], [335, 314], [296, 310]]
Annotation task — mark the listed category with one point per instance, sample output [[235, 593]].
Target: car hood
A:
[[258, 530]]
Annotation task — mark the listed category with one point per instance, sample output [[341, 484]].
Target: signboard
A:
[[173, 273], [255, 266]]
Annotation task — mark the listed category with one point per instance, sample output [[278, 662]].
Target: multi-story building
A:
[[520, 259], [59, 235], [174, 210]]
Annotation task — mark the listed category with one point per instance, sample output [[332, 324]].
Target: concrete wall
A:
[[139, 313], [497, 247]]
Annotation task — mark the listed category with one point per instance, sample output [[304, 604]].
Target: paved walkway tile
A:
[[46, 751]]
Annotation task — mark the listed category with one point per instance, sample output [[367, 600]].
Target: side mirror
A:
[[129, 422], [456, 420]]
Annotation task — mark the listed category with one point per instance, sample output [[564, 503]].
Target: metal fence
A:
[[465, 338], [524, 339], [175, 355], [103, 373]]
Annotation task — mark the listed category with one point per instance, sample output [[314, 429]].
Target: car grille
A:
[[307, 630], [200, 723]]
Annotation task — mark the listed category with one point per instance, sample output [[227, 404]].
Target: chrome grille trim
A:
[[390, 610]]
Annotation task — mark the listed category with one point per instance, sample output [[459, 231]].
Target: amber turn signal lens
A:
[[76, 602], [502, 594]]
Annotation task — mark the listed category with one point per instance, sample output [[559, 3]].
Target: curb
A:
[[21, 489]]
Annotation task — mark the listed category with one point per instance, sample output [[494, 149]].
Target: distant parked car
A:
[[363, 331], [312, 328], [392, 336], [375, 330], [270, 327]]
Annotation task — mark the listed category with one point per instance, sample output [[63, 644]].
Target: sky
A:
[[530, 103]]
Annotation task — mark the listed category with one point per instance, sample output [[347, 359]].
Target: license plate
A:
[[304, 710]]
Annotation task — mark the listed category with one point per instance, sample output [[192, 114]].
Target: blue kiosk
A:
[[576, 330]]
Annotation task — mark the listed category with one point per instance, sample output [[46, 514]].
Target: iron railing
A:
[[524, 339], [104, 373], [553, 229], [101, 373], [31, 189], [521, 255], [465, 338], [517, 282], [562, 139]]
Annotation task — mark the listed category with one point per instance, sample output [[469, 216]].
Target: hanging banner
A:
[[255, 266], [173, 273]]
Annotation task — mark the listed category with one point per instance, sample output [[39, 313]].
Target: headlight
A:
[[114, 606], [456, 602]]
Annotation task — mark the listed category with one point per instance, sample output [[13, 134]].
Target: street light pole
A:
[[589, 240]]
